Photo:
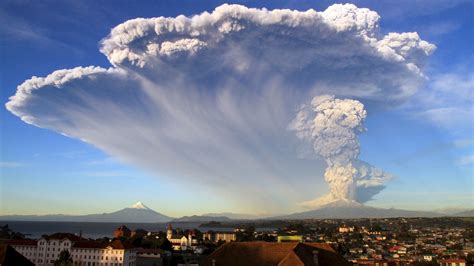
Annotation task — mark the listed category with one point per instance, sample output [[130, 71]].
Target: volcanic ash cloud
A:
[[331, 126], [207, 99]]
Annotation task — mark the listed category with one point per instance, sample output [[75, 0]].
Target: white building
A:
[[428, 257], [181, 242], [219, 236], [83, 252], [346, 229]]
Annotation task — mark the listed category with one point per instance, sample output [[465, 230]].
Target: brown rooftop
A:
[[10, 257], [21, 242], [88, 244], [452, 261], [61, 236], [272, 254], [116, 244]]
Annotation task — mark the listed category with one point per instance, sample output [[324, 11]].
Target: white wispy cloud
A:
[[440, 28], [403, 9], [465, 160], [14, 30], [105, 173], [4, 164], [209, 98], [447, 102]]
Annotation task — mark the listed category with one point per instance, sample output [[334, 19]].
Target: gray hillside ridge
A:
[[140, 213], [136, 213], [347, 210]]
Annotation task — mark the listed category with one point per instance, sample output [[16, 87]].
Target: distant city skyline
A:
[[125, 132]]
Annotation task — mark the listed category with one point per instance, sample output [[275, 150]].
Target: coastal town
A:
[[388, 241], [261, 133]]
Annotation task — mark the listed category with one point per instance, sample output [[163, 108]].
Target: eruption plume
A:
[[207, 100], [331, 125]]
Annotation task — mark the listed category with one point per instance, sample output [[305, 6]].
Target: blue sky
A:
[[426, 142]]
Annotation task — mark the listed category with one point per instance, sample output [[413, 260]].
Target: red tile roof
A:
[[267, 253], [451, 261]]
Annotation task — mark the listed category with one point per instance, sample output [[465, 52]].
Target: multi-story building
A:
[[219, 236], [346, 229], [83, 252]]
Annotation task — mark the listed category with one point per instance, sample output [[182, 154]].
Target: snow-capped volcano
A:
[[139, 205], [137, 213]]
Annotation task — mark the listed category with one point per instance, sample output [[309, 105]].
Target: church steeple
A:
[[169, 232]]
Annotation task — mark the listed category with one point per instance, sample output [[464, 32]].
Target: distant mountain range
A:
[[469, 213], [452, 211], [347, 209], [201, 218], [139, 213], [234, 216]]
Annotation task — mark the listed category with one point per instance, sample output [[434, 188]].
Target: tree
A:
[[166, 245], [7, 233], [137, 241], [65, 259], [246, 234], [470, 258]]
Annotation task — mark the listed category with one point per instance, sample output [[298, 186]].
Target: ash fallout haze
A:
[[247, 108]]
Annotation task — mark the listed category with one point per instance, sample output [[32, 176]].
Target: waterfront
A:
[[94, 230]]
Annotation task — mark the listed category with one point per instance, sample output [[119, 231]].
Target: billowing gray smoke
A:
[[331, 125], [207, 100]]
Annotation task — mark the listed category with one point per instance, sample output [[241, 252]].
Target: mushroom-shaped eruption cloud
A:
[[209, 98], [331, 126]]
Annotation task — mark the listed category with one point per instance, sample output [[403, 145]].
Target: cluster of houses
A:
[[355, 245], [433, 246], [45, 251], [181, 241]]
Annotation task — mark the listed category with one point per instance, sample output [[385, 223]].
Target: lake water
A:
[[94, 230]]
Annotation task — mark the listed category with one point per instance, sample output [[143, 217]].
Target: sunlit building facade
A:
[[46, 250]]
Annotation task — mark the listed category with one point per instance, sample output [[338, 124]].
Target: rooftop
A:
[[116, 244], [21, 242], [9, 256], [267, 253], [61, 236]]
